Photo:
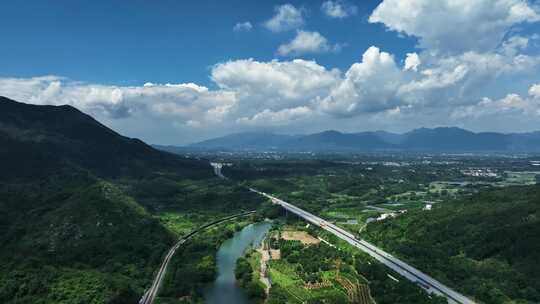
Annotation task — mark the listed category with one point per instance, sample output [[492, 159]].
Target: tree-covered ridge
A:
[[71, 232], [76, 241], [37, 139], [487, 245], [75, 238]]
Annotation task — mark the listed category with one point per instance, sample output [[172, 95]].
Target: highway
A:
[[151, 293], [412, 274]]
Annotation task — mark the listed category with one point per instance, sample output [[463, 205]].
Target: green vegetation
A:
[[84, 243], [486, 246], [192, 268], [386, 290], [37, 139], [87, 214], [320, 273], [521, 178], [478, 240], [246, 276], [97, 229], [210, 196], [334, 186]]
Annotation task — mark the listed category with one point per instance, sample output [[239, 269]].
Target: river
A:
[[224, 289]]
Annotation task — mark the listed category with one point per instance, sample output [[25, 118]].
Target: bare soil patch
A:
[[301, 236]]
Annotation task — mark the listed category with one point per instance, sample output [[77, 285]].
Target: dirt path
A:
[[263, 270]]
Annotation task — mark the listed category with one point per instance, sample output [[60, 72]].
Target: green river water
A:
[[224, 290]]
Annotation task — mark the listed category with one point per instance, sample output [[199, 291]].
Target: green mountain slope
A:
[[487, 246], [69, 233], [84, 243], [35, 139]]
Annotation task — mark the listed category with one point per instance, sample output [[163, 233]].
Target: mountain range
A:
[[442, 139]]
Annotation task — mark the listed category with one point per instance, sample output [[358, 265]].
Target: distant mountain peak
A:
[[331, 132]]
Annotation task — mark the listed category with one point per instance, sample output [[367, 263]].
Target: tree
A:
[[243, 271], [255, 291]]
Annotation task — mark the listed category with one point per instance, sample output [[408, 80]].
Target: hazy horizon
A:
[[353, 132]]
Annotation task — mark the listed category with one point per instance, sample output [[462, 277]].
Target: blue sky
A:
[[298, 66], [116, 42]]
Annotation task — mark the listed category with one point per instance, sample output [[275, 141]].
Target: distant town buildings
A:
[[482, 172]]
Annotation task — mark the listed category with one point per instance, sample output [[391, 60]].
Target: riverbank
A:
[[225, 288], [265, 254], [196, 260]]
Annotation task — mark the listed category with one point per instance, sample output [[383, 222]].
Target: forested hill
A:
[[69, 231], [72, 239], [487, 245], [37, 139]]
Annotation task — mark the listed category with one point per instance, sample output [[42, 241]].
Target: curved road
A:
[[151, 293]]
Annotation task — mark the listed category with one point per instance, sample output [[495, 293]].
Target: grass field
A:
[[179, 223], [521, 178]]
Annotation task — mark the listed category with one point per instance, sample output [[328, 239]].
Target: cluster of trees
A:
[[256, 169], [195, 260], [194, 196], [278, 295], [387, 291], [486, 246], [243, 271], [76, 239], [81, 239], [244, 276], [190, 270], [72, 224], [313, 185], [309, 262]]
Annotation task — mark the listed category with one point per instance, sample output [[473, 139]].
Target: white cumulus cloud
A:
[[508, 106], [307, 42], [171, 101], [412, 62], [534, 91], [471, 54], [454, 26], [276, 118], [274, 85], [368, 86], [338, 9], [287, 17], [243, 27]]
